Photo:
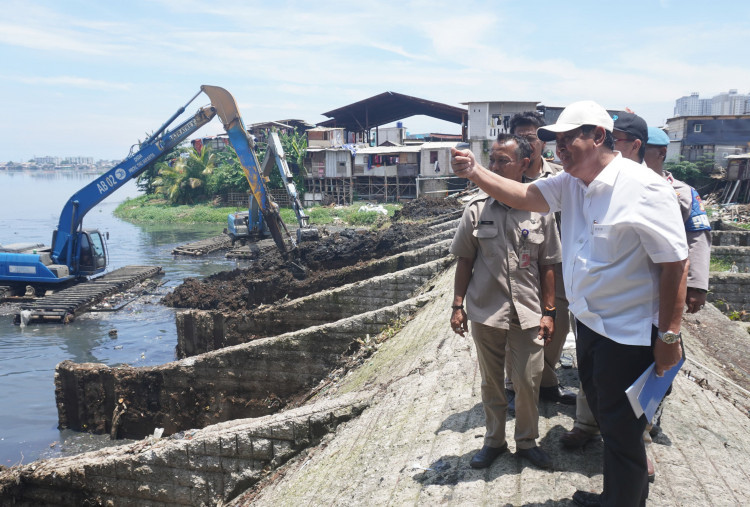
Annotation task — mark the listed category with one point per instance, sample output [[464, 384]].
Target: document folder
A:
[[647, 392]]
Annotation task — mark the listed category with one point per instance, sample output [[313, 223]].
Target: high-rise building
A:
[[727, 103]]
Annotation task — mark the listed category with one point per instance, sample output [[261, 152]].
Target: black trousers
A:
[[606, 368]]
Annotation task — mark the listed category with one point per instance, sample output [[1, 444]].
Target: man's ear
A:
[[637, 145], [525, 163], [600, 134], [663, 152]]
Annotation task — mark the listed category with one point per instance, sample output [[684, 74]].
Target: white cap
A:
[[585, 112]]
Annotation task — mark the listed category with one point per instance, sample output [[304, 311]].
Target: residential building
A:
[[692, 137]]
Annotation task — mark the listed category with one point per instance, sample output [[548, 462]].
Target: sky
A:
[[92, 78]]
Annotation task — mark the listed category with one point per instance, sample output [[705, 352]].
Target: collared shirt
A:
[[497, 237], [614, 231]]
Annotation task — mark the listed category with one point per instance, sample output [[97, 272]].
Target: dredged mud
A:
[[328, 262]]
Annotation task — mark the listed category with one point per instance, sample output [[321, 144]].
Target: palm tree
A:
[[182, 180]]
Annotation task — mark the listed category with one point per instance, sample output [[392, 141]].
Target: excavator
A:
[[77, 253], [248, 225]]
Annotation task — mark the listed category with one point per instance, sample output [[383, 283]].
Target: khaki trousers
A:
[[526, 354], [552, 351]]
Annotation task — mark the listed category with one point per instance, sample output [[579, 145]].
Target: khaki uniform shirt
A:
[[498, 238], [699, 242]]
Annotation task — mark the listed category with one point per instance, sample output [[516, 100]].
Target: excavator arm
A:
[[243, 145], [161, 141], [92, 194], [275, 152]]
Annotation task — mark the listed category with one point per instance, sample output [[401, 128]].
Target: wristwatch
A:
[[669, 337]]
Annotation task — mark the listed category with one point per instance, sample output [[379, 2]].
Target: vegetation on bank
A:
[[149, 209], [696, 174], [185, 175]]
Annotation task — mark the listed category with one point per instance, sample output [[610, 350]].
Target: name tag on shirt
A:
[[524, 259], [600, 230]]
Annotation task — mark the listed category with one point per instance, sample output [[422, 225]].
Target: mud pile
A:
[[329, 263], [426, 207]]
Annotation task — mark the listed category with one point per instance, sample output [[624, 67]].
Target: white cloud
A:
[[72, 81]]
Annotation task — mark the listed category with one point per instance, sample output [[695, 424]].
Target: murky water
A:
[[30, 204]]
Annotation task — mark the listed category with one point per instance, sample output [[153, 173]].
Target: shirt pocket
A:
[[488, 241], [533, 239], [602, 243]]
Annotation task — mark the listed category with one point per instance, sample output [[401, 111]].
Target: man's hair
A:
[[609, 139], [526, 118], [523, 148], [641, 150]]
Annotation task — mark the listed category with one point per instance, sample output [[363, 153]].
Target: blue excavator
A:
[[77, 253], [244, 226]]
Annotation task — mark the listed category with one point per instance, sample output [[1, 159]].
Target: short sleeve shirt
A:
[[614, 231], [508, 246]]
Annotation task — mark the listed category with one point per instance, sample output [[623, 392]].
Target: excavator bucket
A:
[[307, 234], [224, 102]]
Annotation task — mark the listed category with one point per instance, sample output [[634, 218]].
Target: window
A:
[[698, 127], [433, 157]]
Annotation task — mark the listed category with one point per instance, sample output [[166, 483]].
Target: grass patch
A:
[[719, 264], [150, 210]]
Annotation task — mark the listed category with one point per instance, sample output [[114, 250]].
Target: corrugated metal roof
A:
[[389, 107], [380, 150], [441, 144]]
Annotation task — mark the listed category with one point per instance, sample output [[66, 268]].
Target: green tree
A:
[[227, 175], [695, 174], [183, 181]]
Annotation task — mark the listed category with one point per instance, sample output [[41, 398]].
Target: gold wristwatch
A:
[[669, 337]]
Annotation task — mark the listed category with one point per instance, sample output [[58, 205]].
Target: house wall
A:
[[325, 138], [435, 162], [338, 164], [400, 160], [488, 119]]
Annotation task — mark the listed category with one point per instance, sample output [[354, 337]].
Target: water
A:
[[30, 203]]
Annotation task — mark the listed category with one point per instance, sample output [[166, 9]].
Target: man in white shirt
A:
[[624, 269]]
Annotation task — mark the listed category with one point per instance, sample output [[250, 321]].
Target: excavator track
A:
[[65, 305]]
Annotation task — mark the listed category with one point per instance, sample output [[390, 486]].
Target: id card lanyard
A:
[[524, 257]]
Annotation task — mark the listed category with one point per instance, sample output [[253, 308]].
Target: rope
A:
[[718, 375]]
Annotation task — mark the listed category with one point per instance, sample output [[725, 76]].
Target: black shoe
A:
[[558, 395], [536, 455], [654, 431], [576, 438], [587, 499], [486, 456], [511, 396]]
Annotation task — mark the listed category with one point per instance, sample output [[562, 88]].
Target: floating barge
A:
[[204, 246], [65, 305]]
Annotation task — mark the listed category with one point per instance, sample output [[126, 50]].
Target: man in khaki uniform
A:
[[525, 125], [505, 275]]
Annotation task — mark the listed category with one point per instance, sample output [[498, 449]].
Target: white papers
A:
[[647, 392]]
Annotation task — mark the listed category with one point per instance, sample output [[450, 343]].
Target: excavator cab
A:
[[92, 256]]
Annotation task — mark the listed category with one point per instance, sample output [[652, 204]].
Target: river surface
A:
[[30, 204]]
